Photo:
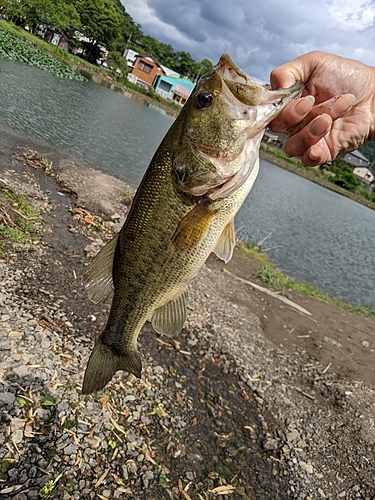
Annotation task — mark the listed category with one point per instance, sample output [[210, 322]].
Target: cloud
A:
[[357, 16], [260, 35]]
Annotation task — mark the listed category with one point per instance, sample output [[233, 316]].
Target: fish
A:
[[183, 211]]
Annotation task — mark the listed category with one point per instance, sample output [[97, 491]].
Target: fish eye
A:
[[204, 100]]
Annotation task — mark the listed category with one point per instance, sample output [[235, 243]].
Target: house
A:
[[80, 37], [362, 169], [174, 88], [145, 71], [170, 72], [357, 159], [130, 56], [57, 38], [364, 174]]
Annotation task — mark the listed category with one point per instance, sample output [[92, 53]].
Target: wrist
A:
[[371, 137]]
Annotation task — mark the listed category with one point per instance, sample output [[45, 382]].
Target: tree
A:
[[368, 150], [344, 176], [202, 67], [13, 10], [34, 12], [128, 29], [101, 23], [184, 63], [116, 60], [65, 16]]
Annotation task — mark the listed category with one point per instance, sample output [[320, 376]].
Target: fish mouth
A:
[[256, 105], [248, 91]]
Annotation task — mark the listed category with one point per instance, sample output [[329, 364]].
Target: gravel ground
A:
[[220, 411]]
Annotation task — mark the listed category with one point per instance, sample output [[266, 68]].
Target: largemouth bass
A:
[[182, 211]]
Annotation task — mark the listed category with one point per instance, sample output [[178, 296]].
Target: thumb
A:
[[300, 68], [281, 77]]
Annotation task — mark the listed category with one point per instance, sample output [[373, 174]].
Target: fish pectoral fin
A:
[[193, 227], [104, 363], [225, 245], [170, 318], [98, 278]]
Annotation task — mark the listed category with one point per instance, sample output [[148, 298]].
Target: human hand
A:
[[337, 111]]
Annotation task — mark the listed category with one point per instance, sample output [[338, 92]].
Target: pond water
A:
[[314, 235]]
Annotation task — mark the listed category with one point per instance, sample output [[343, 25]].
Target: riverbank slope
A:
[[247, 402]]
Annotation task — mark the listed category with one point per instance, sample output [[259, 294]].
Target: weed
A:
[[5, 465], [48, 489], [48, 401], [17, 219], [267, 274]]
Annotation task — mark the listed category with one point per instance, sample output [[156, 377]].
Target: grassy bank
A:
[[278, 281]]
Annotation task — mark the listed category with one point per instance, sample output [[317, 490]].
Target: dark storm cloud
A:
[[260, 35]]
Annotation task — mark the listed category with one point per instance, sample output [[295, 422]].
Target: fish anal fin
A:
[[104, 363], [225, 245], [170, 318], [98, 278], [193, 227]]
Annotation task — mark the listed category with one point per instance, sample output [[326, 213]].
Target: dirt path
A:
[[253, 400]]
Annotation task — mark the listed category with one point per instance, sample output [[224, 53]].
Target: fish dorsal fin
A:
[[193, 227], [170, 318], [97, 280], [226, 243]]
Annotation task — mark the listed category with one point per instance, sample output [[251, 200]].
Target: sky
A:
[[260, 35]]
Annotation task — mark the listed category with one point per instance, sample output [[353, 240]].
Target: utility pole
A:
[[127, 46]]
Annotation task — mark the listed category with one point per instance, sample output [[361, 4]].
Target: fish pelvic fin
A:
[[170, 318], [98, 278], [193, 227], [225, 245], [104, 363]]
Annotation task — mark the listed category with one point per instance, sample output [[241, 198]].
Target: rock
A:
[[32, 495], [7, 398], [147, 477], [271, 444], [332, 342], [21, 371], [71, 449], [131, 466], [307, 467], [20, 496], [293, 435], [17, 427]]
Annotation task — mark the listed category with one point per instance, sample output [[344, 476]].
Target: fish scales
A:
[[182, 211]]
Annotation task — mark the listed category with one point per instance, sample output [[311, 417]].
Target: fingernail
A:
[[314, 154], [342, 104], [320, 125], [304, 105]]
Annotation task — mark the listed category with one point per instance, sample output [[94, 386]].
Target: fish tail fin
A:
[[104, 363]]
